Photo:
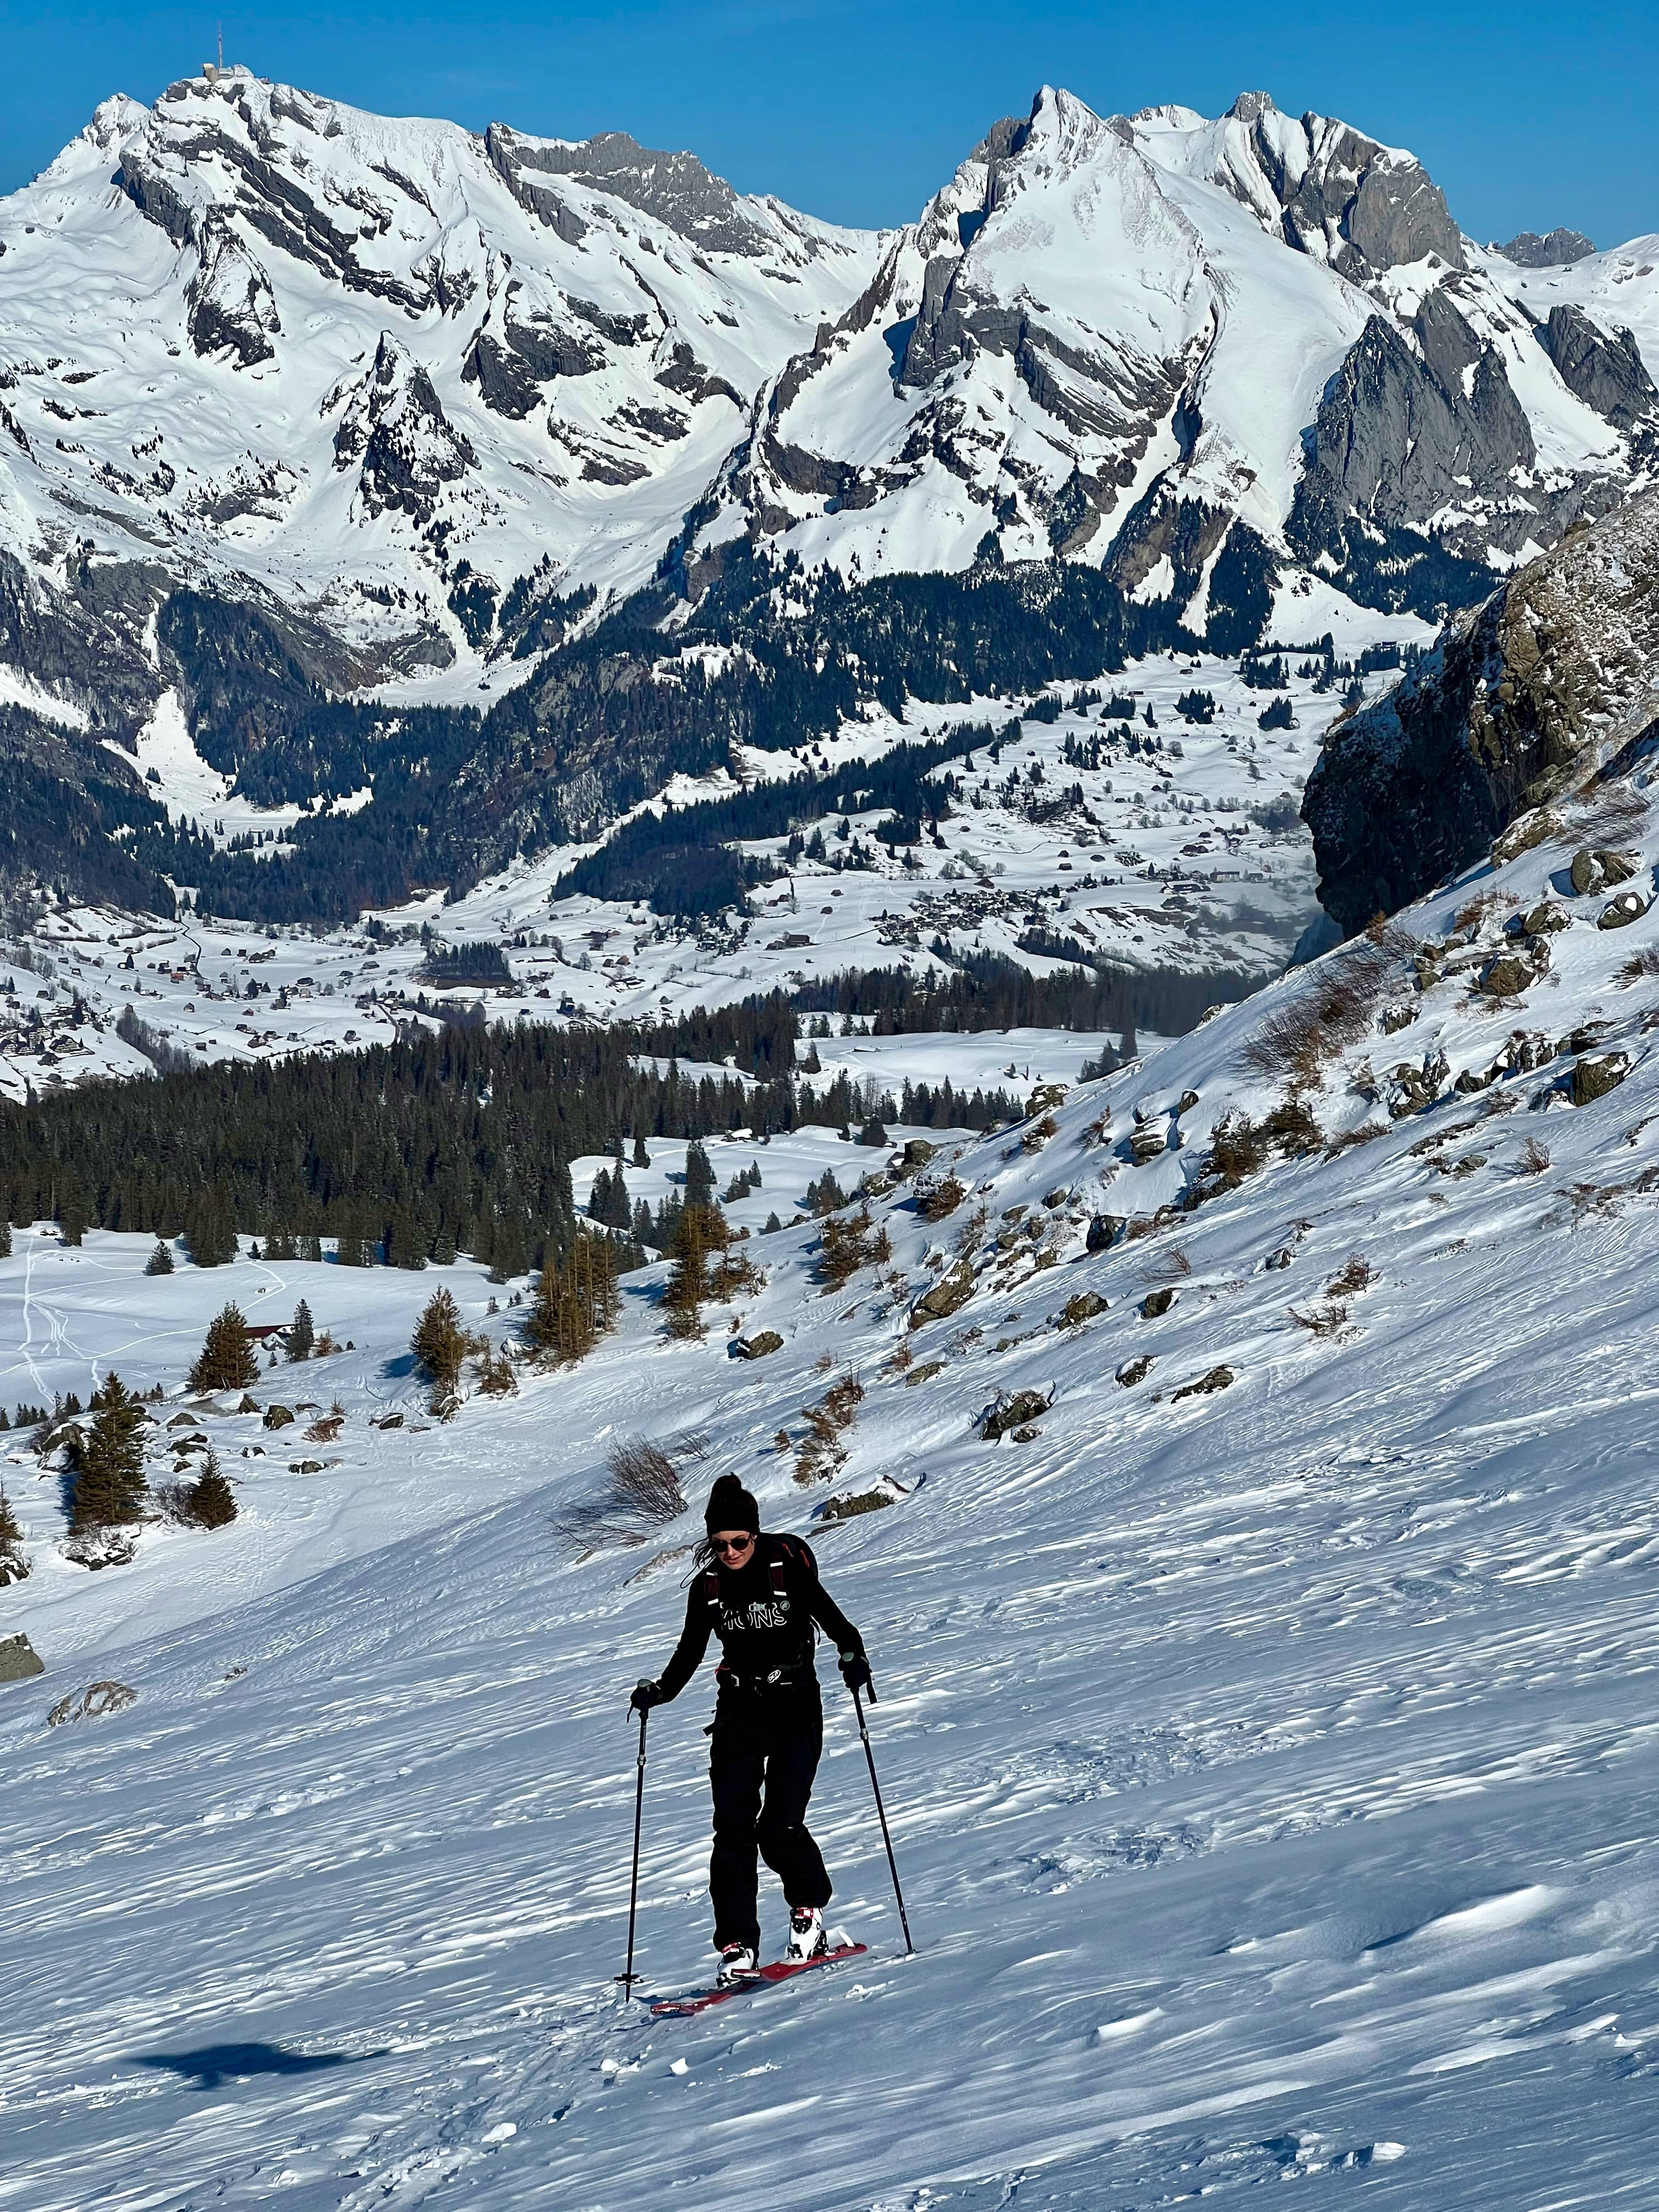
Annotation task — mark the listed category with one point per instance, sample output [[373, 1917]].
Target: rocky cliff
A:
[[1549, 687]]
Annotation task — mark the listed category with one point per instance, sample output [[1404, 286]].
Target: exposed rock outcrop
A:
[[19, 1660], [394, 425], [1556, 249], [1346, 199], [1554, 680], [1605, 371], [230, 306]]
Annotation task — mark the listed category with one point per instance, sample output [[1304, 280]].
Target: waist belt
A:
[[775, 1678]]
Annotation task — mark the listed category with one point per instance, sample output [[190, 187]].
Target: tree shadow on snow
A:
[[221, 2063]]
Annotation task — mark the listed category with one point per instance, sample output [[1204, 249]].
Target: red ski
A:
[[781, 1970]]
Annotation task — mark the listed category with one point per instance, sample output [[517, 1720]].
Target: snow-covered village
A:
[[829, 1123]]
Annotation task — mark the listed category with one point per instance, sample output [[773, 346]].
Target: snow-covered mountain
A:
[[371, 373], [1214, 355], [481, 486], [399, 383]]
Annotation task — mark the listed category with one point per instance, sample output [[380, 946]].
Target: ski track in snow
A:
[[1272, 1774]]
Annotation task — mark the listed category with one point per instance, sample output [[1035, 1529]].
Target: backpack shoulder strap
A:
[[711, 1590], [791, 1553]]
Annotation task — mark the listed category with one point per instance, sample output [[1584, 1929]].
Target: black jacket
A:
[[764, 1616]]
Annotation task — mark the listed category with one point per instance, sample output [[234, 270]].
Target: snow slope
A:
[[1271, 1767]]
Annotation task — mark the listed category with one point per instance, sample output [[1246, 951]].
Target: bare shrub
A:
[[1476, 910], [1610, 812], [821, 1453], [1321, 1321], [644, 1479], [644, 1490], [1334, 1007], [1358, 1274], [973, 1228], [1640, 965], [1171, 1267], [1533, 1158]]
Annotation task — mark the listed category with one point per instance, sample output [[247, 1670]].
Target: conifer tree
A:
[[300, 1333], [211, 1227], [211, 1501], [440, 1344], [699, 1176], [576, 1300], [5, 1238], [159, 1261], [226, 1361], [110, 1490], [73, 1211], [702, 1229], [14, 1565]]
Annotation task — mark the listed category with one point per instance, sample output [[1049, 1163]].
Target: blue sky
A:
[[857, 110]]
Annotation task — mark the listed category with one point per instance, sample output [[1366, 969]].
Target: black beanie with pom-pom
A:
[[730, 1506]]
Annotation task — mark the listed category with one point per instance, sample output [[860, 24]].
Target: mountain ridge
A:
[[419, 409]]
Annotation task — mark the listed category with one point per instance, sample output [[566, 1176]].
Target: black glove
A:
[[646, 1694], [855, 1670]]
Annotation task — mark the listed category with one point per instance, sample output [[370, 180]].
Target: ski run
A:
[[1267, 1720]]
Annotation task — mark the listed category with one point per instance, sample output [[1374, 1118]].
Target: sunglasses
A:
[[732, 1543]]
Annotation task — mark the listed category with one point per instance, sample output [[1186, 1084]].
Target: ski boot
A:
[[807, 1936], [737, 1965]]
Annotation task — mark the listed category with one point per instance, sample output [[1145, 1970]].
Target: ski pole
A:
[[881, 1812], [630, 1976]]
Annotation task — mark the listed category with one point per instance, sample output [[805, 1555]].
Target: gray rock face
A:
[[675, 188], [1606, 373], [1593, 1076], [1554, 679], [1557, 249], [1346, 199], [395, 425], [230, 306], [1401, 436], [19, 1660]]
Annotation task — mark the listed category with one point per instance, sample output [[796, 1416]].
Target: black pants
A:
[[762, 1757]]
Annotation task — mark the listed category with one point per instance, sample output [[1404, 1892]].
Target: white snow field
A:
[[1272, 1768]]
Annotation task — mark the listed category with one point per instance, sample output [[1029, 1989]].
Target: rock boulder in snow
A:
[[19, 1660], [953, 1290], [96, 1703]]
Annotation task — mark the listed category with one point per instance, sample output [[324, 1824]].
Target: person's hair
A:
[[704, 1556]]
